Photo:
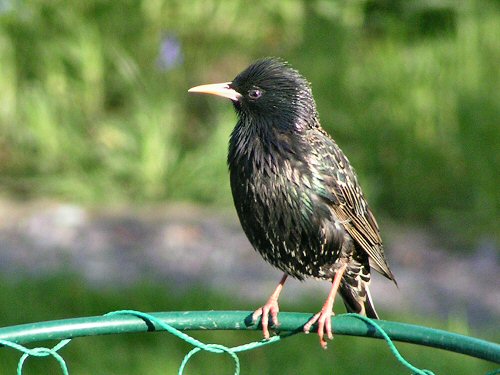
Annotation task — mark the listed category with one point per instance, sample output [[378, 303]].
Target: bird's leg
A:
[[272, 307], [324, 317]]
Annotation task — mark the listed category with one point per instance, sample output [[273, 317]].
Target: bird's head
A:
[[268, 92]]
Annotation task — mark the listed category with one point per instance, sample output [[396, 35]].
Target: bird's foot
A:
[[324, 320], [324, 317], [271, 307]]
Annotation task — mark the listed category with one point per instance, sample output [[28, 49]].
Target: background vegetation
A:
[[94, 103], [94, 109]]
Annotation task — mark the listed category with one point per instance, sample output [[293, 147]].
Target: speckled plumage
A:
[[297, 197], [296, 194]]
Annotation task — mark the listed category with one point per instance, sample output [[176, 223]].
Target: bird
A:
[[296, 194]]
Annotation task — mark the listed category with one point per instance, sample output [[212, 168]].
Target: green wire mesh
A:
[[177, 322]]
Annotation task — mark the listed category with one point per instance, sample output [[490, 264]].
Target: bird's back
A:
[[347, 199]]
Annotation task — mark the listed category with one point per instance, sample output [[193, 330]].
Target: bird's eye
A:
[[254, 93]]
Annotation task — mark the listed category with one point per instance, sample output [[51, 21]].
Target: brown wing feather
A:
[[350, 205], [359, 221]]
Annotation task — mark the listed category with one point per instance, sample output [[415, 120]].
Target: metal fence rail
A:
[[174, 322]]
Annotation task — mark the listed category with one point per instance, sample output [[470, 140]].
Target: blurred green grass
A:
[[94, 104], [161, 353]]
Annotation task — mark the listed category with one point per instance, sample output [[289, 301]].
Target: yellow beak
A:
[[219, 89]]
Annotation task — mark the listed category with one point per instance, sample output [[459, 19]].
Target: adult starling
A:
[[295, 192]]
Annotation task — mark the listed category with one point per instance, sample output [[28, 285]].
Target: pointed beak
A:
[[219, 89]]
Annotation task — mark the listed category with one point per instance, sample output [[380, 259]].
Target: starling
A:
[[297, 197]]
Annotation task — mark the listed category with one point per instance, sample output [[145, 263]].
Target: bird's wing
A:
[[348, 202]]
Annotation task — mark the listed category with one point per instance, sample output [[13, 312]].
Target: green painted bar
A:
[[240, 320]]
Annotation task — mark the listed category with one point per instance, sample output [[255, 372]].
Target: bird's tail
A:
[[356, 295]]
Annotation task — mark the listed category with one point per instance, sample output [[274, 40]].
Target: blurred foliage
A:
[[161, 353], [94, 105]]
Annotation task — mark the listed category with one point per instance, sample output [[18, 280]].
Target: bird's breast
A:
[[281, 213]]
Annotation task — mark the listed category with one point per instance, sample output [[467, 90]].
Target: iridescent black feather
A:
[[295, 192]]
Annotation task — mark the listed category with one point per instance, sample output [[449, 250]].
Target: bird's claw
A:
[[324, 320], [271, 307]]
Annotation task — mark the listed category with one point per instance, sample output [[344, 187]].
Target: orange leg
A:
[[272, 307], [324, 317]]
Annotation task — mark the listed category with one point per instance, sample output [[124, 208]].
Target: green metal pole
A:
[[240, 320]]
